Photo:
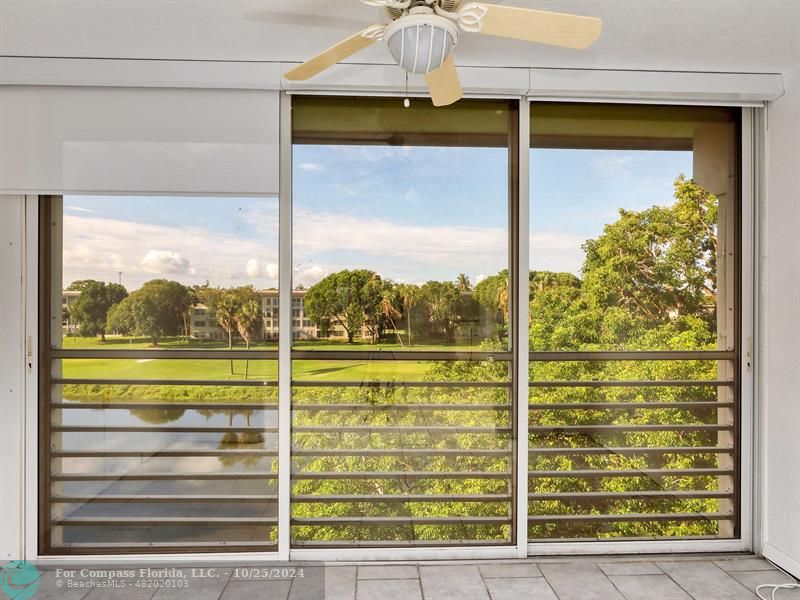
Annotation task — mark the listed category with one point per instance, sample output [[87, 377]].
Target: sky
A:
[[411, 214]]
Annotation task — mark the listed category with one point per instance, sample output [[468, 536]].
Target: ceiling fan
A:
[[423, 33]]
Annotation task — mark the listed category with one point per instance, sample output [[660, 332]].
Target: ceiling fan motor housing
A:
[[420, 43]]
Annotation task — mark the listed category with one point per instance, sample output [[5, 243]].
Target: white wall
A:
[[743, 36], [154, 140], [781, 330], [12, 375]]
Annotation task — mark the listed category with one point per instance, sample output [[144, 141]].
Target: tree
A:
[[248, 315], [462, 283], [91, 308], [155, 310], [345, 297], [660, 262], [223, 308], [408, 296], [441, 302]]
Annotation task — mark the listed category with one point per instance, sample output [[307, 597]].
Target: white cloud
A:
[[307, 275], [480, 277], [412, 196], [256, 268], [78, 209], [556, 251], [310, 167], [100, 248], [165, 262], [612, 164]]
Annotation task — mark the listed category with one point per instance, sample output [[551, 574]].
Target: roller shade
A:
[[138, 140]]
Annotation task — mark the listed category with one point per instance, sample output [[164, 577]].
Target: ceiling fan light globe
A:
[[421, 43]]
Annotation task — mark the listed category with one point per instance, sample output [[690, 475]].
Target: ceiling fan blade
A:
[[545, 27], [444, 84], [331, 56]]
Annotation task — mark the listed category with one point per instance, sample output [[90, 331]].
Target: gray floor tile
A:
[[49, 588], [630, 568], [520, 588], [388, 572], [752, 579], [648, 587], [207, 588], [129, 592], [311, 586], [393, 589], [507, 570], [340, 583], [267, 589], [744, 564], [453, 582], [705, 581], [579, 581]]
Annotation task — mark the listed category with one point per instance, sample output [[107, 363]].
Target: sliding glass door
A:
[[159, 357], [402, 411], [634, 323]]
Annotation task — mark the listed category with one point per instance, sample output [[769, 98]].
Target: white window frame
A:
[[750, 174]]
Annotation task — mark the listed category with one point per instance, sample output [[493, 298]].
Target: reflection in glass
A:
[[401, 434], [633, 238], [158, 440]]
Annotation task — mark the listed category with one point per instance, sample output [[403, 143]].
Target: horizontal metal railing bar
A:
[[688, 405], [698, 472], [400, 355], [414, 407], [612, 355], [310, 383], [163, 498], [630, 427], [630, 383], [396, 384], [161, 406], [162, 476], [160, 521], [392, 355], [163, 547], [399, 429], [402, 452], [200, 354], [138, 429], [181, 382], [350, 521], [633, 517], [392, 498], [629, 495], [635, 450], [312, 475], [333, 544], [296, 452], [621, 539], [159, 453]]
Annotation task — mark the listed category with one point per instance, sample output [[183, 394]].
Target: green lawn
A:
[[325, 370]]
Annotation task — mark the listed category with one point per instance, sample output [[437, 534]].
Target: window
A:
[[399, 217], [149, 441], [634, 322], [159, 370]]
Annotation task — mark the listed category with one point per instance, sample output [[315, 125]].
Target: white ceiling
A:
[[694, 35]]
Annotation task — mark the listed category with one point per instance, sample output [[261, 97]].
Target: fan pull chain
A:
[[407, 102]]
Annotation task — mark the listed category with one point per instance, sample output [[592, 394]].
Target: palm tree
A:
[[389, 311], [462, 283], [502, 299], [247, 315], [408, 295]]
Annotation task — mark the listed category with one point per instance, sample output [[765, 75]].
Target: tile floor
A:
[[663, 577]]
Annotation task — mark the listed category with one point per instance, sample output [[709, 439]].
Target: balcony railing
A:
[[429, 461]]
